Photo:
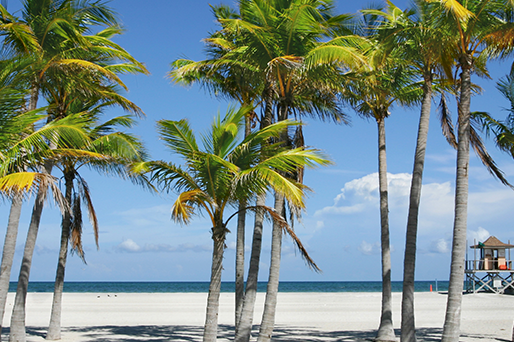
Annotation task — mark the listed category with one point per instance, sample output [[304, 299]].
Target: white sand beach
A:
[[310, 317]]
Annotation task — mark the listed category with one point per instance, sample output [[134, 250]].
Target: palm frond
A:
[[446, 122]]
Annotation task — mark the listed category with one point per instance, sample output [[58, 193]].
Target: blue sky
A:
[[341, 227]]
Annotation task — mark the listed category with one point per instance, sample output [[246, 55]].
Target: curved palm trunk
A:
[[213, 299], [451, 330], [54, 328], [8, 252], [243, 331], [18, 313], [270, 304], [385, 330], [408, 327]]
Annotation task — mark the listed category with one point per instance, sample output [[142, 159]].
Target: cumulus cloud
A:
[[440, 246], [359, 194], [361, 197], [480, 235], [130, 246]]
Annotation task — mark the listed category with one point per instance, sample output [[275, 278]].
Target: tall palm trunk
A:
[[12, 226], [240, 262], [270, 304], [240, 246], [8, 252], [54, 328], [18, 313], [244, 327], [455, 287], [408, 327], [213, 298], [385, 330], [243, 331]]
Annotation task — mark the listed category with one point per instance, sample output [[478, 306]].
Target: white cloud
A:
[[437, 201], [440, 246], [128, 246], [360, 198], [231, 245], [320, 225], [357, 208], [360, 194], [368, 248], [480, 235]]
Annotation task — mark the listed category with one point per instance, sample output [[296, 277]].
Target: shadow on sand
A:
[[185, 333]]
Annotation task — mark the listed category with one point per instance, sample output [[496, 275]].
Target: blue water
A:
[[285, 286]]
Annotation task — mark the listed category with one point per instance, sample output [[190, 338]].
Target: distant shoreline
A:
[[226, 287]]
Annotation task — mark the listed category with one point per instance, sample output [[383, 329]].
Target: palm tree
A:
[[222, 173], [23, 144], [106, 151], [59, 47], [426, 58], [224, 76], [110, 151], [252, 57], [277, 37], [422, 46], [371, 94], [476, 26]]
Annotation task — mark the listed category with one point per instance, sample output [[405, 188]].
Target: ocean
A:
[[285, 286]]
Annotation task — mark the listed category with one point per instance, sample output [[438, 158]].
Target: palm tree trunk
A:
[[385, 330], [240, 246], [408, 327], [243, 331], [17, 327], [211, 318], [8, 252], [451, 329], [54, 328], [18, 313], [240, 262], [270, 304]]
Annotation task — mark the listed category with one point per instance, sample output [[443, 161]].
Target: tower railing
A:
[[488, 265]]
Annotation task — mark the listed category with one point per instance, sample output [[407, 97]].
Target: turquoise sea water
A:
[[285, 286]]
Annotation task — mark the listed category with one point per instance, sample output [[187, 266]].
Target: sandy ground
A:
[[309, 317]]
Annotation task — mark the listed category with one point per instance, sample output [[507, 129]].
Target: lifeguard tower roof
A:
[[492, 242]]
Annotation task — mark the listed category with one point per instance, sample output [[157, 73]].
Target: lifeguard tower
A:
[[490, 270]]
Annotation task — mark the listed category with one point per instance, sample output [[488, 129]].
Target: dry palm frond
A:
[[485, 157], [446, 122], [86, 196], [76, 228], [279, 219]]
